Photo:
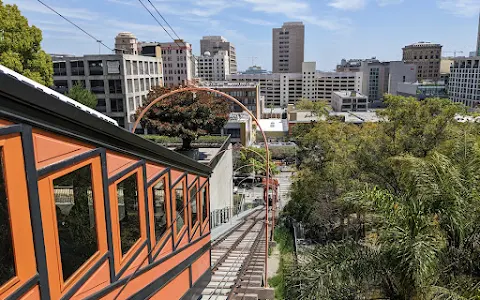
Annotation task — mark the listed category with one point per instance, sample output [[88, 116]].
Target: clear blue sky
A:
[[335, 29]]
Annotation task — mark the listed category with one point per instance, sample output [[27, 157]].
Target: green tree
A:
[[248, 161], [20, 46], [393, 206], [82, 95], [186, 115]]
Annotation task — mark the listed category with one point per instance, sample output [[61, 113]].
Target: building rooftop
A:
[[239, 117], [214, 38], [273, 125], [349, 94], [125, 35], [228, 84], [423, 44]]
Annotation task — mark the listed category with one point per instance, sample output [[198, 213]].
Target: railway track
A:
[[236, 260]]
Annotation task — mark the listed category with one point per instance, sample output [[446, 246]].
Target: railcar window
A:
[[179, 205], [128, 213], [75, 219], [193, 205], [204, 204], [159, 208], [7, 260]]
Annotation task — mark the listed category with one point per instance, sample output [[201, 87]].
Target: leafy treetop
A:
[[82, 95], [187, 115], [20, 46]]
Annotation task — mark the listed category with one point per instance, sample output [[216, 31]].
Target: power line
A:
[[154, 7], [174, 40], [66, 19], [159, 23]]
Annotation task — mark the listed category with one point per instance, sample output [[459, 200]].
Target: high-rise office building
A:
[[463, 85], [478, 37], [214, 44], [288, 43], [426, 56], [179, 64], [213, 67], [126, 43]]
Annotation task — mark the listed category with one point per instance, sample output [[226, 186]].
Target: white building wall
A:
[[214, 68], [221, 183], [178, 63], [400, 72]]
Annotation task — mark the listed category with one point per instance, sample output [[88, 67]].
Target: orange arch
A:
[[245, 109]]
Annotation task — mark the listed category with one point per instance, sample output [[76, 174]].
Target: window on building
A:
[[115, 86], [77, 232], [134, 67], [159, 208], [101, 105], [7, 259], [131, 104], [97, 86], [137, 101], [204, 200], [77, 68], [128, 63], [116, 104], [61, 86], [142, 84], [136, 84], [120, 121], [141, 67], [59, 68], [180, 210], [95, 67], [193, 205], [128, 213]]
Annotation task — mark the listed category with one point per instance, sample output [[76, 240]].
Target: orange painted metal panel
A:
[[184, 241], [167, 249], [191, 178], [19, 210], [175, 289], [175, 174], [153, 170], [116, 163], [33, 294], [49, 220], [145, 279], [99, 280], [50, 148], [140, 259], [202, 180], [5, 123], [200, 266]]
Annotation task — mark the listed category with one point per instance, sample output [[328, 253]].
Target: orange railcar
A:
[[91, 211]]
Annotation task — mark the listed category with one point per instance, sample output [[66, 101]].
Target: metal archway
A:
[[245, 109]]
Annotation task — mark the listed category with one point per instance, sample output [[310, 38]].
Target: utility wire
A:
[[166, 22], [66, 19], [154, 7]]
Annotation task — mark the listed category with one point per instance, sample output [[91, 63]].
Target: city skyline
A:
[[343, 29]]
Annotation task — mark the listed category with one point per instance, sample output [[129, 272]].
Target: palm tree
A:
[[410, 231]]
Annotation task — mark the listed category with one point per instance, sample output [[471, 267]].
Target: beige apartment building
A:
[[214, 44], [288, 47], [426, 56]]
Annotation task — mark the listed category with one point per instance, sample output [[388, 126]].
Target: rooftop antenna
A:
[[99, 48]]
